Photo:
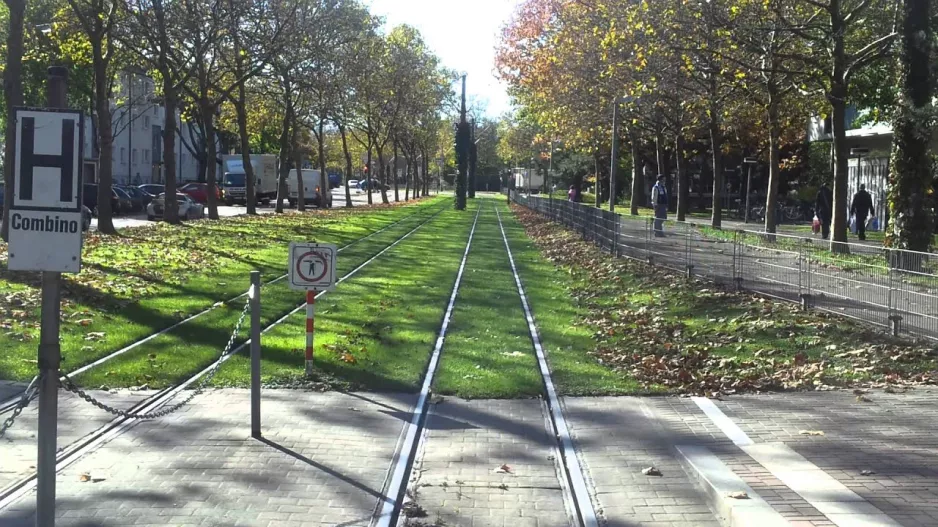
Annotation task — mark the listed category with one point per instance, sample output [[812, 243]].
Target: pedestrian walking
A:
[[571, 194], [823, 206], [861, 208], [659, 197]]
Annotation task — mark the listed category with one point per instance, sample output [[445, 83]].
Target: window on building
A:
[[133, 156], [123, 155], [146, 122], [146, 156]]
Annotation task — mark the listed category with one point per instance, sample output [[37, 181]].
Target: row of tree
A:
[[737, 75], [293, 76]]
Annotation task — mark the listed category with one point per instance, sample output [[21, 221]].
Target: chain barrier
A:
[[68, 385], [21, 405]]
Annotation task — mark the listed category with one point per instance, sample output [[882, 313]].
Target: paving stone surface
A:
[[77, 419], [458, 481], [895, 436], [323, 461], [617, 438]]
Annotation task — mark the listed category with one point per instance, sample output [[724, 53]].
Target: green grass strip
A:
[[566, 340], [177, 354], [377, 329], [488, 351]]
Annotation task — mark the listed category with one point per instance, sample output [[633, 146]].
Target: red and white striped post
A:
[[310, 329]]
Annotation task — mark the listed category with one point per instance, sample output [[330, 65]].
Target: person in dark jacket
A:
[[862, 208], [659, 199], [823, 206]]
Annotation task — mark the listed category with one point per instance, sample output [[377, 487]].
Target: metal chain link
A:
[[68, 385], [20, 406]]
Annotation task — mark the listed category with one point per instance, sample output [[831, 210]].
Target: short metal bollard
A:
[[805, 302], [255, 295], [896, 324], [690, 270]]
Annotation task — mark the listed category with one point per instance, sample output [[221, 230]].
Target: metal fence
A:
[[893, 289]]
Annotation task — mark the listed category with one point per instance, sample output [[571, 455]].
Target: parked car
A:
[[136, 198], [152, 189], [199, 192], [372, 185], [188, 208], [353, 183], [90, 199], [125, 202]]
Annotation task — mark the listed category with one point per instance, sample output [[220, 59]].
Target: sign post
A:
[[312, 269], [45, 235]]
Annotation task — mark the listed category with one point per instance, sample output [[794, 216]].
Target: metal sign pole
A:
[[614, 158], [256, 354], [50, 355], [310, 329]]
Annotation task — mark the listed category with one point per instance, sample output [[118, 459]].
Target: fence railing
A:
[[890, 288]]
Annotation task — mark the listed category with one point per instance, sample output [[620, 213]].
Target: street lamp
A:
[[750, 162], [615, 151]]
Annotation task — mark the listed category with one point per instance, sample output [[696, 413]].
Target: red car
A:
[[199, 192]]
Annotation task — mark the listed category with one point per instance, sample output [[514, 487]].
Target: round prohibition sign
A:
[[309, 259]]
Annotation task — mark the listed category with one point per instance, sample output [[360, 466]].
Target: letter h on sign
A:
[[29, 159]]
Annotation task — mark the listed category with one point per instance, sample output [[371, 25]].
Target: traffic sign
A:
[[312, 266], [45, 219]]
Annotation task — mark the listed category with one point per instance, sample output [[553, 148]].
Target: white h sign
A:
[[45, 219], [312, 266]]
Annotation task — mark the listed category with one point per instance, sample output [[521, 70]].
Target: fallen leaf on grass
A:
[[95, 335], [84, 477], [738, 495], [513, 354], [811, 432], [651, 471], [503, 469], [84, 322]]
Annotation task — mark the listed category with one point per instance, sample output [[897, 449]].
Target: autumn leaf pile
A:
[[678, 335]]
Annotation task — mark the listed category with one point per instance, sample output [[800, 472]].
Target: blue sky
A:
[[463, 34]]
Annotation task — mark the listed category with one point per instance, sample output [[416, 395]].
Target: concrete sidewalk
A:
[[323, 462], [816, 459]]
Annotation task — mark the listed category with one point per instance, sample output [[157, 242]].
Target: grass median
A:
[[377, 329], [112, 323], [488, 351], [658, 331]]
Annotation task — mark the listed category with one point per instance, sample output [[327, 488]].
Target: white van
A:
[[311, 183]]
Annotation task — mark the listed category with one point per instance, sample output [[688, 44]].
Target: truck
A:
[[311, 183], [233, 183], [528, 180]]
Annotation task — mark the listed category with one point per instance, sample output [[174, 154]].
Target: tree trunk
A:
[[407, 177], [771, 197], [682, 181], [250, 192], [12, 97], [837, 98], [171, 212], [911, 166], [105, 140], [298, 166], [348, 165], [370, 177], [716, 144], [284, 168], [382, 181], [394, 172], [208, 116], [638, 176], [323, 177]]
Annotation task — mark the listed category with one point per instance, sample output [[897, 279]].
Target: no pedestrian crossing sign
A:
[[45, 219], [312, 266]]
